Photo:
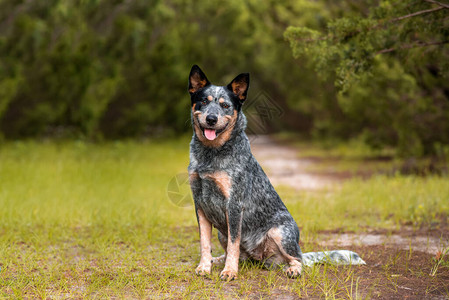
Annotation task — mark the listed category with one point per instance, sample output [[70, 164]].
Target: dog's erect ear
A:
[[239, 86], [197, 79]]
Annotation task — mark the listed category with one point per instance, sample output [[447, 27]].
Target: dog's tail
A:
[[335, 257]]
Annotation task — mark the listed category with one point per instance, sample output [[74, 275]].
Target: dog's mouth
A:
[[210, 133]]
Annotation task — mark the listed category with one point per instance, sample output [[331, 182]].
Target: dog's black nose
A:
[[211, 119]]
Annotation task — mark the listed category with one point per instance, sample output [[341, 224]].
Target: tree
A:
[[390, 64], [119, 68]]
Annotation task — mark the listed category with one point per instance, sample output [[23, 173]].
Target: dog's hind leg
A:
[[219, 259], [282, 247], [223, 242], [222, 258]]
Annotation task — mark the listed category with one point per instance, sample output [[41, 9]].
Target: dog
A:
[[232, 193]]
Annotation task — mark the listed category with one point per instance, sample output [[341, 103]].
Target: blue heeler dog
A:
[[231, 191]]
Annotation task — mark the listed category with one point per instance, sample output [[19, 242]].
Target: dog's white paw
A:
[[218, 260], [203, 269], [294, 270], [228, 274]]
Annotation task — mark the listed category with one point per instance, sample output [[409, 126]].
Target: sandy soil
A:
[[422, 243], [282, 165]]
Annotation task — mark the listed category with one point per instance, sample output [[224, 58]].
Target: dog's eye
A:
[[224, 105], [204, 102]]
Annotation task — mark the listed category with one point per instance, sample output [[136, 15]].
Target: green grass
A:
[[77, 184], [378, 202], [76, 217], [94, 220]]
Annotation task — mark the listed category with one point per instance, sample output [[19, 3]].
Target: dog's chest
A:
[[212, 186], [215, 192]]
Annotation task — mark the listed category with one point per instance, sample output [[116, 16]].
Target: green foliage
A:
[[102, 69], [115, 69], [390, 66]]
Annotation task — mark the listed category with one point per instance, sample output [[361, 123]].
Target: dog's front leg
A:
[[234, 222], [205, 228]]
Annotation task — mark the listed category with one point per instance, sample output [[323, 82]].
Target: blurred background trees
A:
[[376, 70], [389, 61]]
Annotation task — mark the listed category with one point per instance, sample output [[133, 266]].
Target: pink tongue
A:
[[210, 134]]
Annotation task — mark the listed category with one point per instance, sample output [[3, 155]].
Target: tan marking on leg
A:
[[205, 228], [274, 240], [221, 100], [268, 252], [210, 98], [223, 182], [222, 138], [232, 256]]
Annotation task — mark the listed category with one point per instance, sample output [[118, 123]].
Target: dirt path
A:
[[284, 167]]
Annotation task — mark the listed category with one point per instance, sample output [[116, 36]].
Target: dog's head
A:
[[215, 109]]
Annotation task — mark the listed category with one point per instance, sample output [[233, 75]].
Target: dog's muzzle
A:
[[211, 133]]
